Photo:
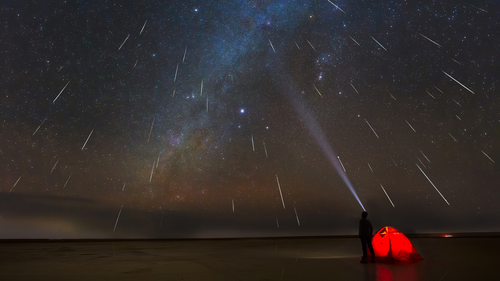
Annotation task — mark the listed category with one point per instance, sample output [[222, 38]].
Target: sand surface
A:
[[245, 259]]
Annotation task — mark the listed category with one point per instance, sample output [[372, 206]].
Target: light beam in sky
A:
[[316, 131]]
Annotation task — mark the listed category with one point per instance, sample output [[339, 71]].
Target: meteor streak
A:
[[354, 40], [438, 89], [54, 166], [67, 180], [143, 27], [151, 130], [338, 157], [87, 139], [387, 195], [378, 43], [297, 216], [271, 45], [424, 156], [393, 161], [311, 45], [421, 162], [277, 223], [456, 102], [233, 204], [372, 128], [478, 8], [430, 94], [253, 145], [432, 184], [40, 125], [279, 187], [58, 96], [124, 42], [317, 90], [123, 188], [370, 167], [354, 88], [458, 82], [453, 137], [296, 45], [184, 57], [152, 169], [410, 126], [176, 69], [337, 7], [265, 149], [455, 61], [118, 217], [201, 89], [487, 156], [15, 184], [430, 39]]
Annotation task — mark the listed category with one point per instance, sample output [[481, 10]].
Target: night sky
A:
[[248, 118]]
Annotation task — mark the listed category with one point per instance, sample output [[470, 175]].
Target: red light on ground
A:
[[447, 235]]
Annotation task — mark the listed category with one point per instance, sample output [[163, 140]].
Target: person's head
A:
[[364, 215]]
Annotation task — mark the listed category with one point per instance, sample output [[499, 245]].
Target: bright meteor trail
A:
[[432, 184]]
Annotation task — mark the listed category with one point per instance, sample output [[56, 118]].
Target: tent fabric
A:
[[388, 242]]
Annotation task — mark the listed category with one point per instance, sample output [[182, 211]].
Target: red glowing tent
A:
[[388, 242]]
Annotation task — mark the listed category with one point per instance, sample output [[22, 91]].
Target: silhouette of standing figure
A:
[[365, 234]]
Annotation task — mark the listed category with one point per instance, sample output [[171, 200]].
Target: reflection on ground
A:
[[245, 259]]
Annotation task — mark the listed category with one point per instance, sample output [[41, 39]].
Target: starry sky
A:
[[167, 119]]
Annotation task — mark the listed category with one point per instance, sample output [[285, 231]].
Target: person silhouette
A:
[[365, 234]]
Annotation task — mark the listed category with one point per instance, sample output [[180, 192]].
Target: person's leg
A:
[[370, 246], [363, 244]]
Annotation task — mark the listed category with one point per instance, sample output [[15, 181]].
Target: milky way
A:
[[176, 119]]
